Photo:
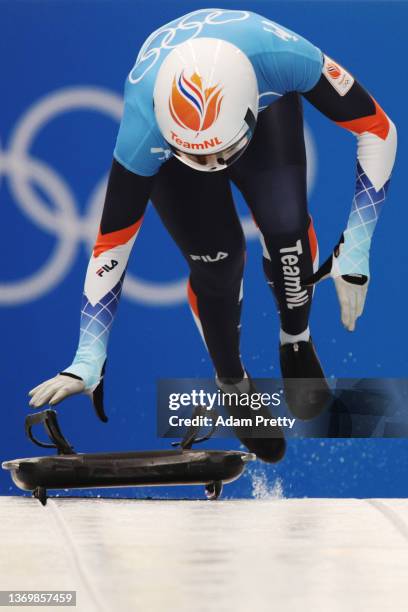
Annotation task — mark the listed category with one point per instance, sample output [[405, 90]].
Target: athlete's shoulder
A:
[[277, 38], [139, 145], [289, 60]]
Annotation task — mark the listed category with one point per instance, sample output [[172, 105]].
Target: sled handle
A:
[[192, 435], [49, 419]]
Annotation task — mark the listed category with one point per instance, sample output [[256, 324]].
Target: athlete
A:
[[215, 98]]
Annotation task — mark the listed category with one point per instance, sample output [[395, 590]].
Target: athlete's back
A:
[[282, 60]]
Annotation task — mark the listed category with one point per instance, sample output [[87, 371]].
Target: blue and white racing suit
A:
[[285, 65]]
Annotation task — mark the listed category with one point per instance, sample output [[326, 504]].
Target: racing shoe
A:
[[306, 390], [271, 446]]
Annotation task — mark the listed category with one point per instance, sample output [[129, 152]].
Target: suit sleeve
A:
[[342, 99], [125, 203]]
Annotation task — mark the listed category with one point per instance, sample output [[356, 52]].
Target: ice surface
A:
[[324, 555]]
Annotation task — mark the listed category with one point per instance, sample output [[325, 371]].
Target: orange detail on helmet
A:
[[193, 107]]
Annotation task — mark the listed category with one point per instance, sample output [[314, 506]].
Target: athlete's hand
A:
[[56, 389], [351, 288]]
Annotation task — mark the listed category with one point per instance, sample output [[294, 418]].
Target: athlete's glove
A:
[[65, 384], [54, 390], [351, 288]]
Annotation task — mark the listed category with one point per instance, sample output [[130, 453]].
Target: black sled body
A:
[[71, 470], [83, 471]]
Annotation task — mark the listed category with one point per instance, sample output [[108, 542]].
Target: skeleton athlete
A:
[[215, 98]]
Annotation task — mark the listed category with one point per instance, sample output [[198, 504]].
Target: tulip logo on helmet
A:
[[192, 106]]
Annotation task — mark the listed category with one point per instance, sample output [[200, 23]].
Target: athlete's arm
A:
[[342, 99], [125, 203]]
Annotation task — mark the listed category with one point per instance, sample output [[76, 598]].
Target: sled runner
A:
[[71, 470]]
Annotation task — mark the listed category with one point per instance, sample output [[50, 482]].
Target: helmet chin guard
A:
[[206, 103]]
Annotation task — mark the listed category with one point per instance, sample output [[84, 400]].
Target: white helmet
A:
[[206, 102]]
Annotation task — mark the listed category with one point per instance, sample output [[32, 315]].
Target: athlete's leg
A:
[[272, 178], [198, 211]]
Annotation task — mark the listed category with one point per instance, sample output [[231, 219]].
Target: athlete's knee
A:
[[280, 205], [301, 241], [283, 224], [217, 274]]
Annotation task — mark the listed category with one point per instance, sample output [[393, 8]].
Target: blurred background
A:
[[63, 66]]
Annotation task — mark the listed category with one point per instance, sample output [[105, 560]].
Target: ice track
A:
[[323, 555]]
